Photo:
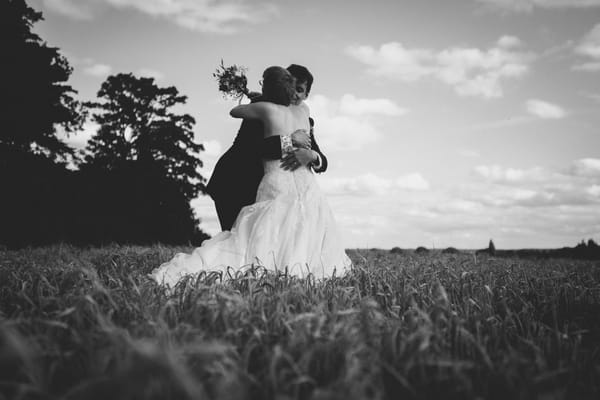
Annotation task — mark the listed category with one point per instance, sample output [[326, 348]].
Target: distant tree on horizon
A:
[[491, 248]]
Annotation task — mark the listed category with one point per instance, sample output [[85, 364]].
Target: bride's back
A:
[[283, 120]]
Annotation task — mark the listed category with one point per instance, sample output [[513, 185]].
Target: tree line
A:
[[133, 181]]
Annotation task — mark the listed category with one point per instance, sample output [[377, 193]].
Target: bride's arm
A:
[[250, 111]]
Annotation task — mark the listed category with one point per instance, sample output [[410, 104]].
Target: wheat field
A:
[[89, 324]]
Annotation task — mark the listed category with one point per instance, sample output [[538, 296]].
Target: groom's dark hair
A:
[[302, 74]]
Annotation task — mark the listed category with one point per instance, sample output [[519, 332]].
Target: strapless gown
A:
[[290, 226]]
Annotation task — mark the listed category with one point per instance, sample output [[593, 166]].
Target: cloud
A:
[[98, 70], [363, 185], [499, 174], [214, 16], [517, 207], [587, 66], [509, 42], [586, 167], [593, 96], [413, 181], [594, 190], [589, 47], [544, 109], [529, 5], [352, 106], [347, 124], [537, 187], [370, 184], [470, 71]]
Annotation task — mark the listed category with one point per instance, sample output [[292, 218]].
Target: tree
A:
[[37, 102], [136, 124], [142, 166], [491, 248], [36, 96]]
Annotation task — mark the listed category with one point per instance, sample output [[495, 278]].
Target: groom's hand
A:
[[298, 158], [301, 139]]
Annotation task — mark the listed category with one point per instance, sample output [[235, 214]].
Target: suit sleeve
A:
[[270, 148], [315, 147]]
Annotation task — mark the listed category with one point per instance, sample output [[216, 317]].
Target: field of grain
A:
[[89, 324]]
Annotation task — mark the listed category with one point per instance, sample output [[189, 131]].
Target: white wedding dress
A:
[[289, 227]]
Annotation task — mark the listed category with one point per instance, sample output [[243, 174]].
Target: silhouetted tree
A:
[[36, 102], [36, 96], [141, 169], [491, 248], [137, 124]]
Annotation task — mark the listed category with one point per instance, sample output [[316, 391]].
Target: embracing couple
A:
[[269, 204]]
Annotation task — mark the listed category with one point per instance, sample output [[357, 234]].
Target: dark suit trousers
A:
[[228, 210]]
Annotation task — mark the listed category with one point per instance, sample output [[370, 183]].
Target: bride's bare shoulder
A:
[[301, 108], [305, 107]]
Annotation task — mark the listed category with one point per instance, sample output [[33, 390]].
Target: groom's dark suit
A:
[[238, 172]]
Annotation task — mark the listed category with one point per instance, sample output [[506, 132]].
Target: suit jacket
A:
[[239, 171]]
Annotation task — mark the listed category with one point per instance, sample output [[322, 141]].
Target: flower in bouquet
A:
[[232, 81]]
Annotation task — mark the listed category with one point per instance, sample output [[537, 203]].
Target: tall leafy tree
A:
[[33, 79], [141, 168], [137, 123], [36, 103]]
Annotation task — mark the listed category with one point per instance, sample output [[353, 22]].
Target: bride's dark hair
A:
[[278, 86]]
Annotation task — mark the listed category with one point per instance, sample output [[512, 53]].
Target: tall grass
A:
[[90, 324]]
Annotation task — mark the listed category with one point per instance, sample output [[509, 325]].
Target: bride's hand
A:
[[300, 138], [298, 158]]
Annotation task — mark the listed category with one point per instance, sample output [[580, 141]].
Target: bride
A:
[[290, 226]]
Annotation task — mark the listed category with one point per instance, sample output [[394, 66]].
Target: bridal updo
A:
[[278, 86]]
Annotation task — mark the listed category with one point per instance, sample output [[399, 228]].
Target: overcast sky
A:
[[446, 123]]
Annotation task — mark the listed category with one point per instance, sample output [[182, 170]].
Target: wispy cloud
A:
[[544, 110], [537, 187], [347, 124], [593, 96], [351, 105], [517, 207], [586, 167], [589, 47], [214, 16], [370, 184], [413, 181], [470, 71], [530, 5], [98, 70], [499, 174]]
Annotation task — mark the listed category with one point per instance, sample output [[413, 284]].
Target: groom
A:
[[238, 172]]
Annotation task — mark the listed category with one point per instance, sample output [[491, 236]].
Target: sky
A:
[[445, 123]]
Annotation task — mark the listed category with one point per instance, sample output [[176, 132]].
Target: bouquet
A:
[[232, 81]]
